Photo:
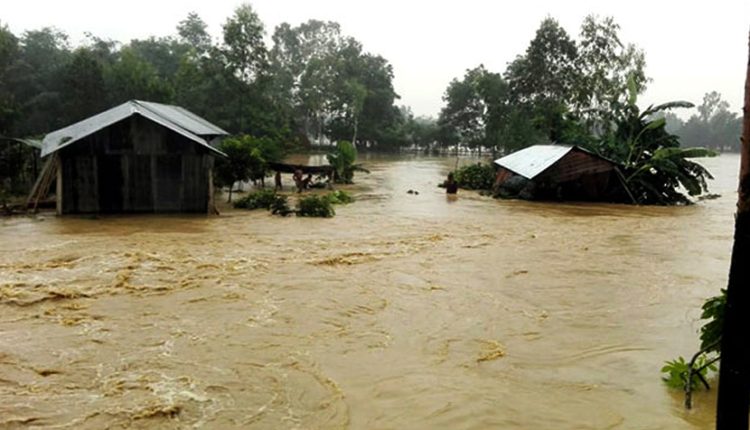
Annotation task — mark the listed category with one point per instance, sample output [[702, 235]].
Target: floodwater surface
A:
[[405, 311]]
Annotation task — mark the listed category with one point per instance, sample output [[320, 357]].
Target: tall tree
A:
[[544, 80], [547, 71], [302, 62], [734, 374], [9, 53], [193, 32], [464, 114], [606, 67], [244, 47]]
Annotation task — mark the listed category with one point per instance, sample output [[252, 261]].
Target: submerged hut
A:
[[558, 172], [136, 157]]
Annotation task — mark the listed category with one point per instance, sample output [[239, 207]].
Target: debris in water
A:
[[492, 351]]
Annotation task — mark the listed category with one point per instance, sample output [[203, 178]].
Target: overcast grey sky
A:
[[691, 47]]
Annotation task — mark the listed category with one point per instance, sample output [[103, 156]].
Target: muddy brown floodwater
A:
[[402, 312]]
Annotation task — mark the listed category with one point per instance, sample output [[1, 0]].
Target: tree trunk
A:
[[734, 376], [230, 192], [354, 137]]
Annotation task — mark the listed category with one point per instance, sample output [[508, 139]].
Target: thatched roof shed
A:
[[136, 157]]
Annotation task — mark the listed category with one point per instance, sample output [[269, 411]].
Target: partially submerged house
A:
[[558, 172], [136, 157]]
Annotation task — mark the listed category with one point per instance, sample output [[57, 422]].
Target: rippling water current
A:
[[404, 311]]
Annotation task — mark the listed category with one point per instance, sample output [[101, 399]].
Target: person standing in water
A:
[[451, 186], [298, 180], [277, 179]]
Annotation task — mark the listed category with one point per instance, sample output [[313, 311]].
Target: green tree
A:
[[83, 88], [543, 81], [241, 159], [9, 54], [133, 78], [606, 65], [464, 113], [301, 64], [244, 47], [481, 112], [193, 32]]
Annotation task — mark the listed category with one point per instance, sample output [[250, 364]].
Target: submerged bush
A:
[[475, 176], [339, 197], [261, 199], [315, 206], [676, 371], [280, 206]]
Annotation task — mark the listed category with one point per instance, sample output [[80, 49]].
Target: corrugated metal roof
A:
[[533, 160], [184, 118], [174, 118]]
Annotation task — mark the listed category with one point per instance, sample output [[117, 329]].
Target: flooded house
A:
[[559, 172], [136, 157]]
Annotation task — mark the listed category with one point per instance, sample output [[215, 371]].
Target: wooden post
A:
[[734, 377], [58, 185], [211, 203]]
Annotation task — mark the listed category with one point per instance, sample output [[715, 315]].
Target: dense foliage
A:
[[477, 176], [654, 166], [247, 158], [342, 158], [312, 82], [308, 206], [560, 90], [260, 199], [315, 206]]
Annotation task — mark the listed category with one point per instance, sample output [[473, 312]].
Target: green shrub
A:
[[280, 206], [315, 206], [475, 176], [339, 197], [676, 371], [261, 199]]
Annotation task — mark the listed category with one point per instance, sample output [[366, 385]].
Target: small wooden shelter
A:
[[136, 157], [558, 172]]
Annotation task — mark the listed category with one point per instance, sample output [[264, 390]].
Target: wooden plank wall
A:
[[135, 166]]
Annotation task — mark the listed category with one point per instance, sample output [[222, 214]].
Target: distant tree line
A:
[[713, 125], [313, 84]]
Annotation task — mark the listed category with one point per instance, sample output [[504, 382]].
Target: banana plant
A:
[[655, 168], [342, 159]]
